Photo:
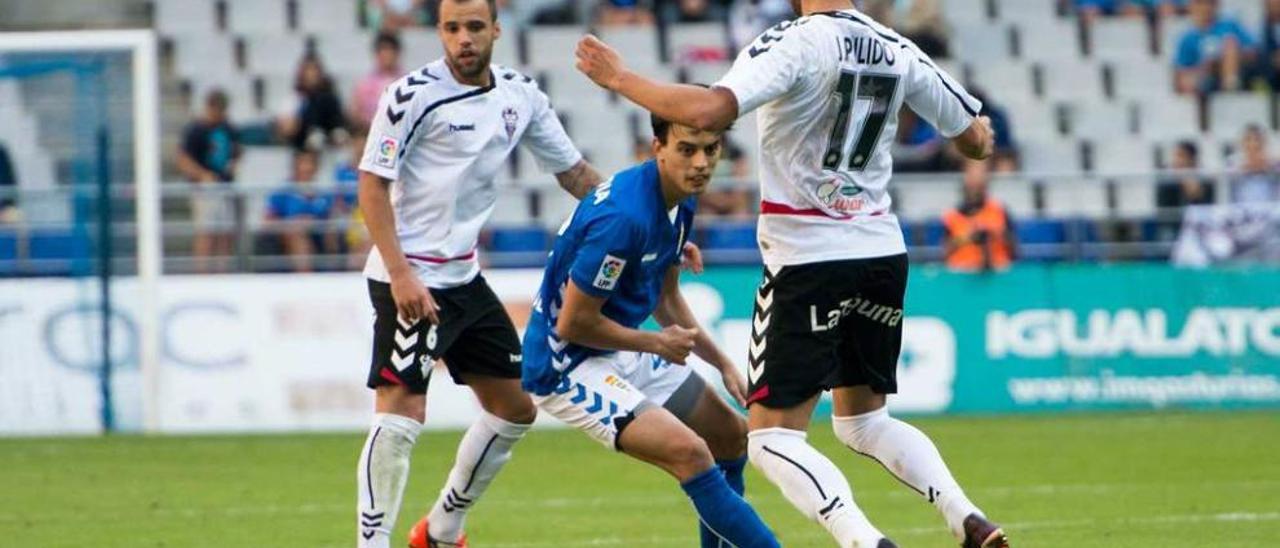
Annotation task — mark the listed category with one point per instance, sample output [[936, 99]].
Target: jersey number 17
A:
[[864, 101]]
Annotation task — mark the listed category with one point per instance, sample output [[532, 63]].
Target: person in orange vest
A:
[[979, 232]]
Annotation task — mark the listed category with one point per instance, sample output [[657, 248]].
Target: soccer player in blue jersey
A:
[[615, 262]]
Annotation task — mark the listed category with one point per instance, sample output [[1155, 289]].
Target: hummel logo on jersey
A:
[[463, 127], [610, 272]]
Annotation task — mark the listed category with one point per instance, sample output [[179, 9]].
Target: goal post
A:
[[141, 47]]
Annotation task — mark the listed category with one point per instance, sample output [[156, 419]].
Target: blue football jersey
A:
[[617, 245]]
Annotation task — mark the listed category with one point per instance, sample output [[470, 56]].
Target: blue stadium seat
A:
[[934, 232], [8, 252], [516, 239], [1037, 239], [730, 235], [58, 244]]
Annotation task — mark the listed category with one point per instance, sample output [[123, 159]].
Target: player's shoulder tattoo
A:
[[402, 92], [777, 33]]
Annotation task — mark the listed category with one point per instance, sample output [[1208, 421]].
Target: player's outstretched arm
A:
[[581, 322], [579, 179], [708, 109], [413, 301], [979, 141], [674, 310]]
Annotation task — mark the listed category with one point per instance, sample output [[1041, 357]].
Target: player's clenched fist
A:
[[599, 61], [413, 301], [675, 343]]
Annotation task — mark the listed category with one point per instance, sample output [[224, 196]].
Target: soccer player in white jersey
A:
[[828, 87], [441, 135]]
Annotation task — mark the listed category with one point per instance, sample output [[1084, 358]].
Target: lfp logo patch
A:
[[388, 149], [610, 271]]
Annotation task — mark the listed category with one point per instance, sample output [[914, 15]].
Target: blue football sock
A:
[[732, 470], [726, 513]]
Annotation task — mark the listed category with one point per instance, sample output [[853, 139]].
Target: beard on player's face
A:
[[470, 63]]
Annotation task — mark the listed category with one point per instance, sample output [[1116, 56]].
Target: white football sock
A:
[[812, 483], [481, 454], [383, 472], [907, 453]]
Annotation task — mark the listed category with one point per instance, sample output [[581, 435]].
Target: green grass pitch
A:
[[1127, 480]]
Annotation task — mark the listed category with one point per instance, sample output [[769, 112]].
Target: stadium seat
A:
[[982, 43], [258, 16], [1017, 195], [57, 245], [1032, 118], [1031, 11], [264, 166], [277, 53], [1071, 80], [1230, 113], [279, 95], [8, 245], [179, 17], [698, 42], [1122, 154], [1049, 40], [1120, 38], [512, 207], [554, 43], [1171, 33], [1092, 120], [1135, 196], [965, 12], [330, 16], [703, 73], [1141, 78], [933, 232], [348, 52], [1164, 117], [1075, 196], [1050, 156], [421, 46], [1040, 239], [926, 198], [729, 235], [516, 239], [1012, 81], [239, 90], [640, 43], [203, 55], [1250, 13]]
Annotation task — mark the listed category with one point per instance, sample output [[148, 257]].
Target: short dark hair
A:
[[1190, 148], [493, 8], [386, 39], [216, 98], [662, 127]]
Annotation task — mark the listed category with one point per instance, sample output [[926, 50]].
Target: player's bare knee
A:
[[688, 456], [398, 400], [518, 411]]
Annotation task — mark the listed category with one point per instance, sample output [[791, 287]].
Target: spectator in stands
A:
[[691, 11], [1006, 157], [1214, 54], [623, 12], [393, 15], [919, 147], [364, 98], [1183, 187], [980, 234], [9, 213], [1270, 61], [1091, 10], [207, 157], [302, 213], [1258, 178], [927, 28], [347, 175], [316, 118]]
